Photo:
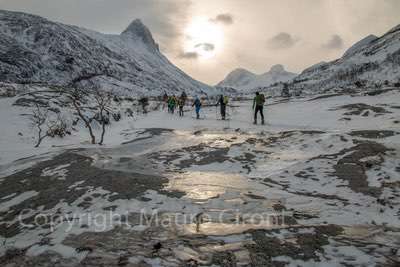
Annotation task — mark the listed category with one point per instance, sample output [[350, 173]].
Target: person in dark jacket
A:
[[181, 105], [222, 102], [258, 106], [165, 100], [184, 95]]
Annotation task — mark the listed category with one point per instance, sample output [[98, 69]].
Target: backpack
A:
[[226, 100], [262, 97]]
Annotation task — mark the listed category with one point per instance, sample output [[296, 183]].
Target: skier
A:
[[285, 90], [184, 95], [144, 102], [172, 104], [223, 101], [169, 104], [181, 104], [165, 100], [258, 106], [197, 105]]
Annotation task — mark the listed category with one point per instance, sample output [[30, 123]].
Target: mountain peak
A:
[[134, 25], [137, 30], [237, 76], [277, 68], [240, 70], [246, 80]]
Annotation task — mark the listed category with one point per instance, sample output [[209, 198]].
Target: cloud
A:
[[206, 46], [282, 40], [225, 18], [336, 42], [188, 55]]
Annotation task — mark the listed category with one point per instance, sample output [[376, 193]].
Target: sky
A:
[[209, 38]]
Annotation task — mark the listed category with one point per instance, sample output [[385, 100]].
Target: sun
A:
[[203, 37]]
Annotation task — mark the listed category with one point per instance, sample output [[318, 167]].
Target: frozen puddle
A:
[[207, 185], [228, 204], [227, 229]]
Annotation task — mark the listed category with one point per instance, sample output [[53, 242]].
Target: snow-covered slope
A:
[[238, 78], [359, 45], [370, 62], [36, 50], [245, 80]]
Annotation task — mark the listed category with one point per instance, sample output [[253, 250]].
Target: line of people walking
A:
[[174, 102]]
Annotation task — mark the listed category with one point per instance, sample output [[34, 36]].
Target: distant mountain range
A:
[[36, 50], [244, 80], [370, 62]]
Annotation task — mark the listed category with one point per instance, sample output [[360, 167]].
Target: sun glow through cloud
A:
[[203, 37]]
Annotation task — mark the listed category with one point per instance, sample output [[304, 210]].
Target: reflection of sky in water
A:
[[206, 185]]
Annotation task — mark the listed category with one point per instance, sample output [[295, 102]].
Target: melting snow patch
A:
[[59, 172], [9, 196], [4, 206], [74, 185]]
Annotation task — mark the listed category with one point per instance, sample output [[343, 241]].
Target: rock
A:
[[123, 260], [370, 161], [381, 201], [13, 252], [365, 114], [84, 249], [157, 246], [345, 119], [191, 263]]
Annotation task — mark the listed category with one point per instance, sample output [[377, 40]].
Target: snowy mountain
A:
[[36, 50], [238, 78], [245, 80], [359, 45], [370, 62]]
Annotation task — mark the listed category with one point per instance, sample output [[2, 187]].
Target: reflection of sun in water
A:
[[203, 37]]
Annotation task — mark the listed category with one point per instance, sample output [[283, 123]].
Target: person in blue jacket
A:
[[197, 105]]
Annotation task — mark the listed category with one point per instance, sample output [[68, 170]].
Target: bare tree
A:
[[103, 102], [93, 105], [46, 126], [38, 120], [77, 98]]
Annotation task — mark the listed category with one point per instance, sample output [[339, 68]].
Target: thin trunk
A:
[[40, 138], [87, 123], [103, 127], [92, 135]]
